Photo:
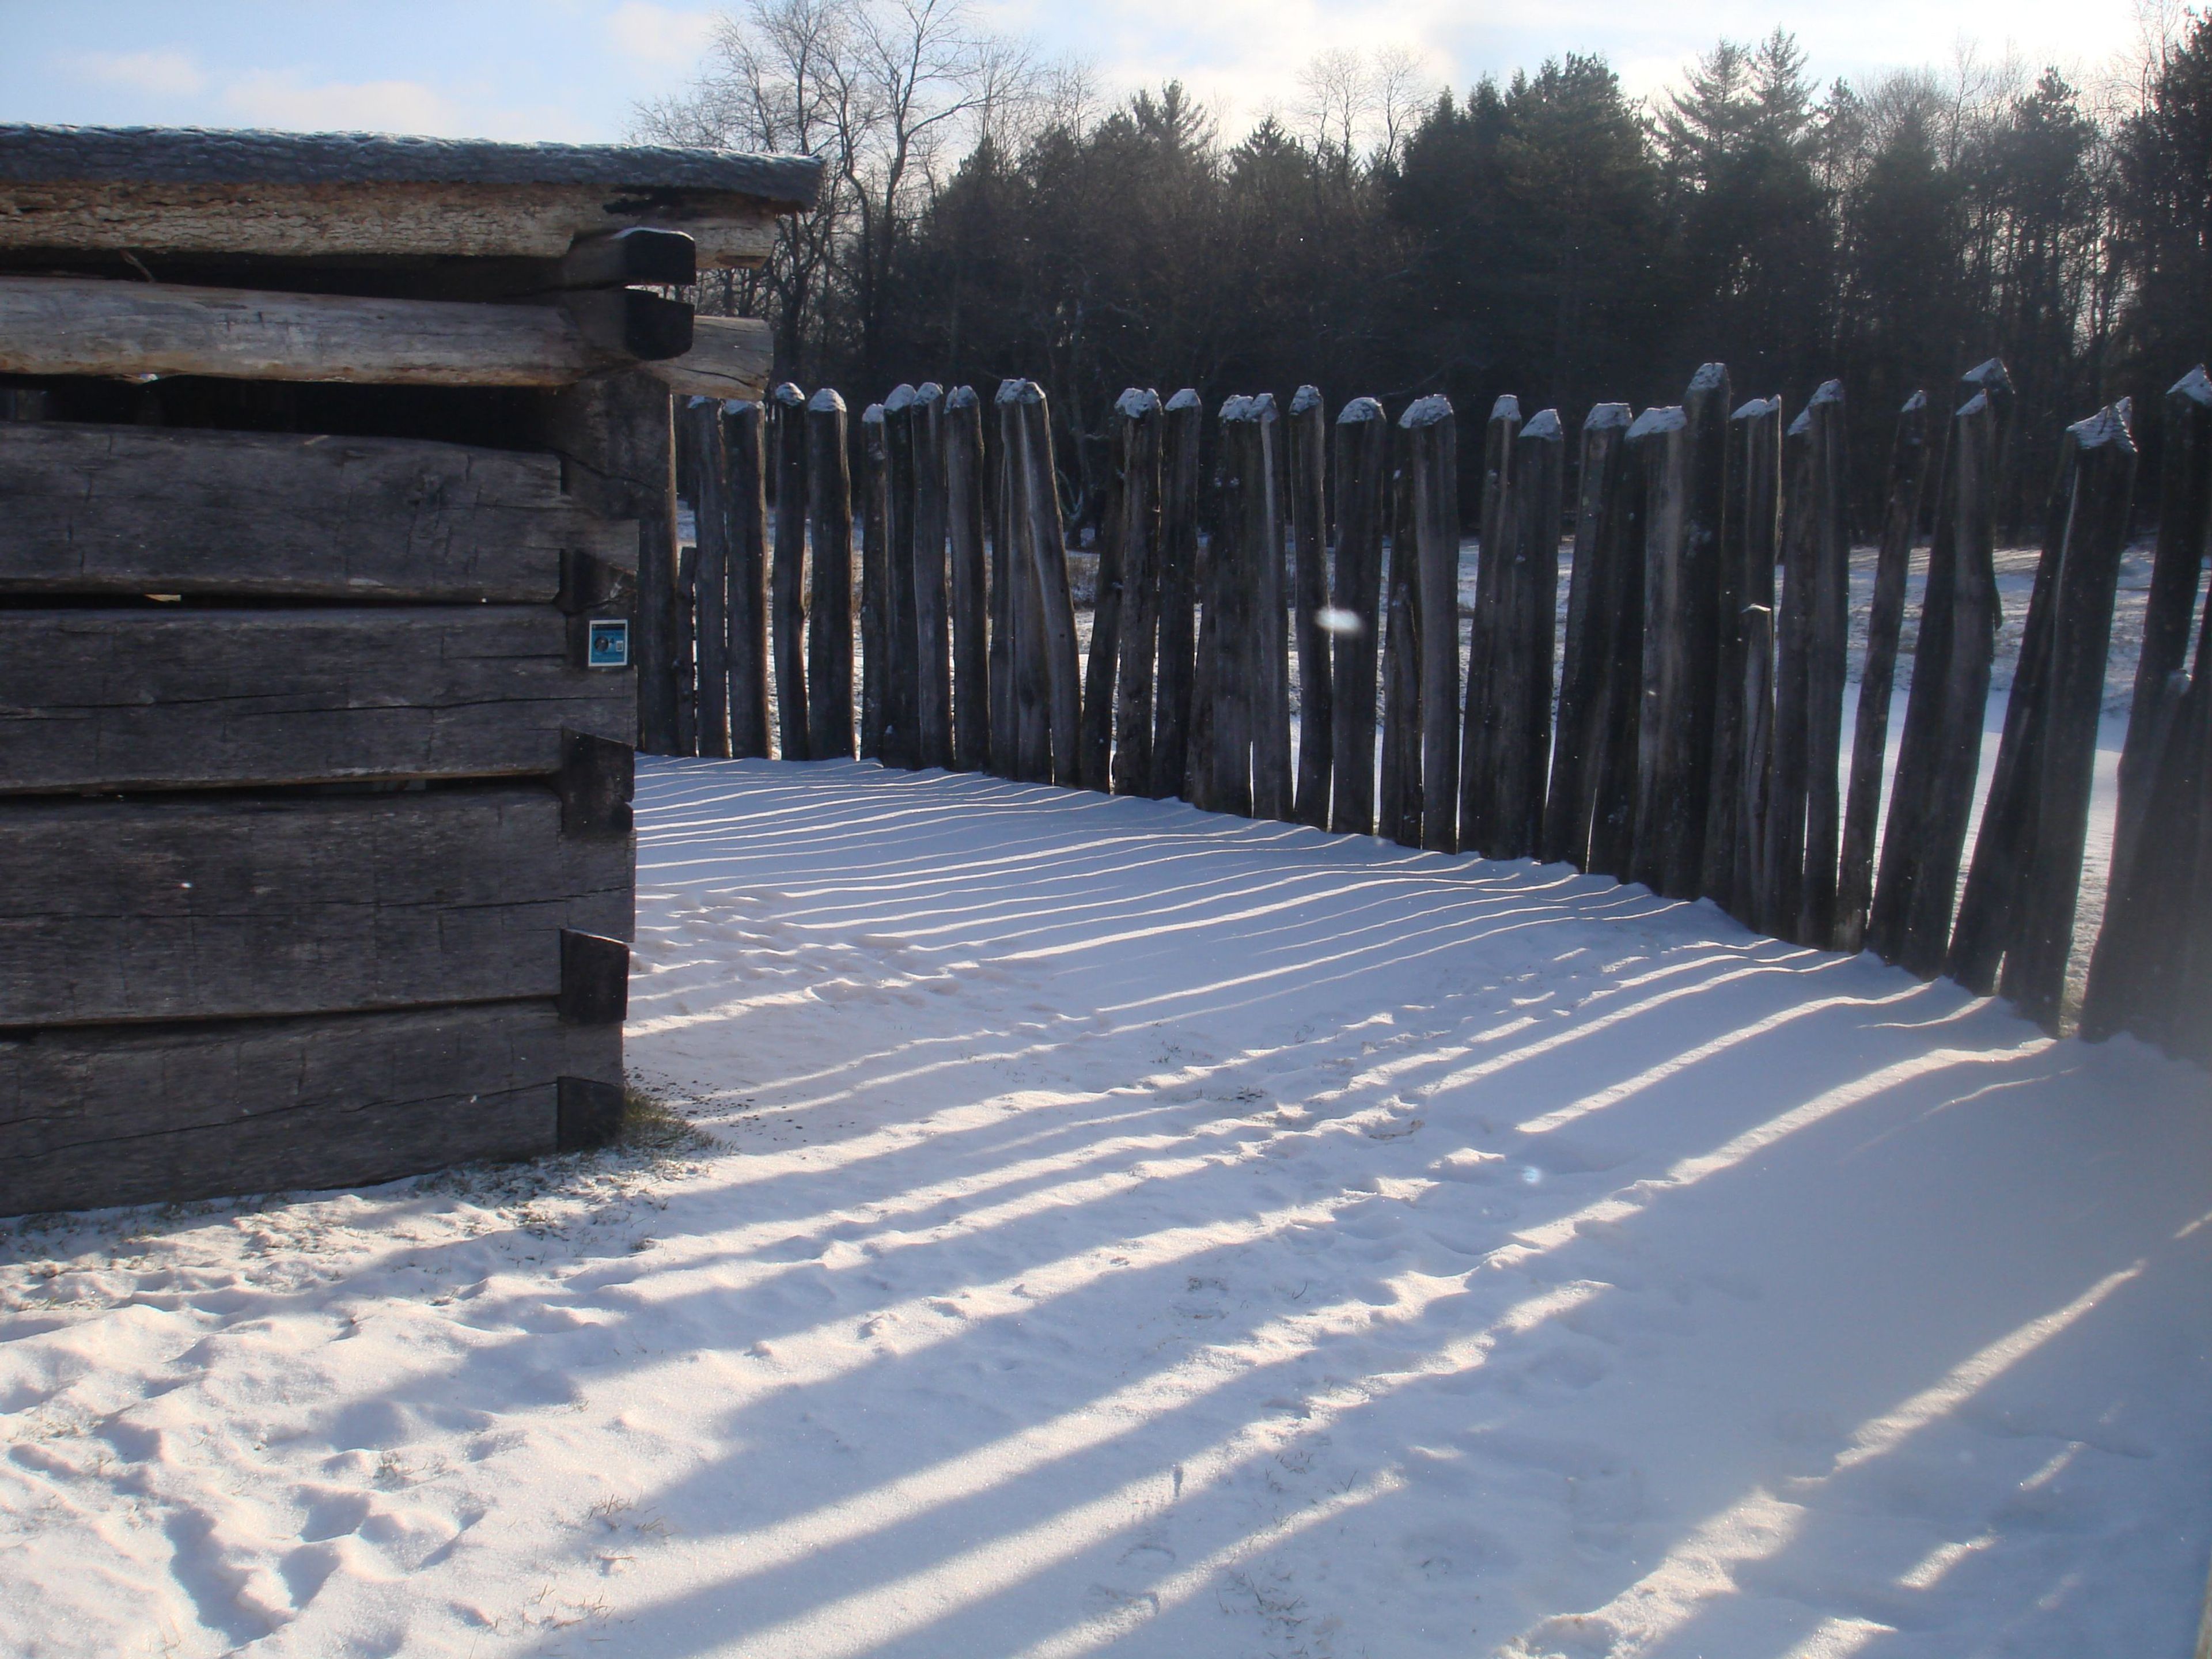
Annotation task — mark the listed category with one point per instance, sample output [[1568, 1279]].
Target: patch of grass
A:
[[651, 1127]]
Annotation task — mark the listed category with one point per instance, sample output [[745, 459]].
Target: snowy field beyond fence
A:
[[1124, 1230]]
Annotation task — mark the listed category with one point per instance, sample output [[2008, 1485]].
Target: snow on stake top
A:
[[1186, 398], [1507, 408], [1137, 402], [1543, 424], [1359, 409], [1263, 407], [872, 415], [827, 402], [929, 392], [1426, 411], [1707, 376], [1990, 374], [2109, 425], [1830, 391], [1755, 407], [1654, 420], [1803, 423], [901, 400], [1604, 417], [961, 396], [1305, 398], [1010, 391], [1976, 404], [1235, 407], [1918, 400], [789, 395], [2194, 386]]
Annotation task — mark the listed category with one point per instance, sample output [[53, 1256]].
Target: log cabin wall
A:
[[334, 505]]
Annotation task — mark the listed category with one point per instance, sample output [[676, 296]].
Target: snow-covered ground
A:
[[1125, 1230]]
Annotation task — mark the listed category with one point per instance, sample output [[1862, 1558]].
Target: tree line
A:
[[985, 217]]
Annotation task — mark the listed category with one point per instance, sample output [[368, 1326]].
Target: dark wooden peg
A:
[[594, 979], [597, 776]]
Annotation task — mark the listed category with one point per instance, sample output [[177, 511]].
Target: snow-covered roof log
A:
[[190, 190]]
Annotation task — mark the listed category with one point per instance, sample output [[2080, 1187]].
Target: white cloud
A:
[[168, 72], [660, 34], [280, 98]]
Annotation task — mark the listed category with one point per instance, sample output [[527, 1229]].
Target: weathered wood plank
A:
[[1047, 546], [1579, 745], [973, 689], [1356, 596], [1521, 644], [1825, 664], [933, 641], [875, 578], [1901, 522], [1664, 856], [2042, 936], [132, 1115], [728, 357], [125, 509], [197, 909], [2018, 905], [2184, 530], [1137, 422], [1263, 559], [1027, 741], [1306, 478], [1182, 427], [786, 449], [902, 674], [183, 698], [1479, 715], [428, 224], [1931, 800], [1712, 668], [1225, 648], [1398, 817], [71, 325], [1743, 758], [1433, 503], [999, 596], [830, 576], [1101, 662], [700, 432], [1577, 735], [615, 437], [744, 429], [1618, 600]]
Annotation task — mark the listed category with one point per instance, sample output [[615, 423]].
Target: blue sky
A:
[[573, 68]]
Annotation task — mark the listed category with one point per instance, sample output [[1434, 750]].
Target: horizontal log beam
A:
[[206, 908], [98, 1115], [730, 357], [72, 326], [326, 221], [667, 257], [184, 697], [126, 509]]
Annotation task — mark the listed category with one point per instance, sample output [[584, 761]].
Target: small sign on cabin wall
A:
[[606, 644]]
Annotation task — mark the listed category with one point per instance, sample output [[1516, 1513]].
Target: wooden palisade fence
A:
[[1688, 735]]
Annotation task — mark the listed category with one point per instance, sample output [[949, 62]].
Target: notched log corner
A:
[[594, 979]]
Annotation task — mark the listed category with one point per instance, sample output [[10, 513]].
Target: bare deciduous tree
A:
[[884, 92]]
